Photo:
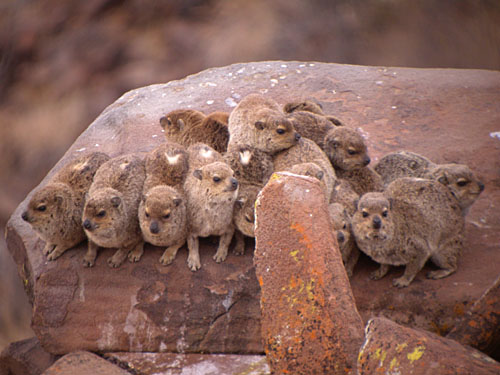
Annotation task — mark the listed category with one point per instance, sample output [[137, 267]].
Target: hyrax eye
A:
[[365, 214], [462, 182], [146, 214], [101, 213], [41, 208], [385, 213], [166, 216], [344, 226], [351, 151], [216, 179], [280, 131], [248, 218]]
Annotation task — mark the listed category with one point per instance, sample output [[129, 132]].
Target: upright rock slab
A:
[[310, 324]]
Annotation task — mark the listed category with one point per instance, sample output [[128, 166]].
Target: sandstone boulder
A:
[[25, 357], [447, 115], [84, 363]]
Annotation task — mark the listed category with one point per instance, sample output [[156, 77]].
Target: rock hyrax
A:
[[163, 220], [344, 194], [55, 210], [110, 215], [211, 191], [312, 106], [304, 152], [341, 225], [244, 215], [459, 178], [311, 126], [187, 126], [167, 164], [200, 154], [311, 170], [259, 122], [412, 221], [250, 165], [348, 154]]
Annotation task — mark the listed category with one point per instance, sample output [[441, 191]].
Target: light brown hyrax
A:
[[163, 220], [308, 105], [244, 215], [341, 225], [259, 122], [250, 165], [167, 164], [211, 191], [55, 210], [188, 126], [110, 215], [200, 154], [304, 152], [412, 221], [459, 178], [348, 154]]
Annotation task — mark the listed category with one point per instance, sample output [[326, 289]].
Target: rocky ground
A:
[[61, 64]]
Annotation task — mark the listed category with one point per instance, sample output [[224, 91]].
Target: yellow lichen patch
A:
[[294, 255], [377, 353], [416, 354], [400, 347], [274, 177], [394, 364]]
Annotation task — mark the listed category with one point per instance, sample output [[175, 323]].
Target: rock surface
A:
[[84, 363], [393, 349], [309, 320], [25, 357], [447, 115]]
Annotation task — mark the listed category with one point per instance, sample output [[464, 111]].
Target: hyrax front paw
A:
[[401, 282], [117, 259], [55, 254], [220, 256], [88, 261], [381, 272], [168, 257], [194, 263], [48, 249], [135, 256]]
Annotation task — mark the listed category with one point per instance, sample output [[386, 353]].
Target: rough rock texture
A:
[[25, 357], [190, 364], [393, 349], [310, 324], [447, 115], [480, 326], [84, 363]]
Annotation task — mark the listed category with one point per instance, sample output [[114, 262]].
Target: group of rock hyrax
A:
[[404, 211]]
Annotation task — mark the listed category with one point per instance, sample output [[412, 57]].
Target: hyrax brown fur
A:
[[244, 215], [259, 122], [341, 226], [188, 126], [311, 126], [55, 210], [311, 170], [412, 221], [344, 194], [211, 191], [459, 178], [167, 164], [250, 165], [110, 215], [304, 152], [348, 154], [307, 105]]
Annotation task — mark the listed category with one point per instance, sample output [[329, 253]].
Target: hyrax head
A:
[[346, 148], [174, 123], [244, 209], [341, 223], [461, 181], [104, 212], [215, 180], [274, 132], [48, 204], [162, 209], [308, 105], [312, 170], [373, 219]]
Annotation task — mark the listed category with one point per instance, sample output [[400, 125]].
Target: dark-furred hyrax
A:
[[162, 211], [211, 191], [308, 105], [244, 215], [259, 122], [412, 221], [341, 225], [55, 210], [110, 215], [250, 165], [188, 126], [304, 152], [348, 154], [311, 126], [459, 178]]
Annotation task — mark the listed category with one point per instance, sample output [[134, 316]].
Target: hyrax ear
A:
[[177, 201], [334, 121], [115, 201], [197, 173], [443, 179], [164, 121], [260, 125], [319, 175], [58, 199], [391, 201], [180, 124], [356, 203], [240, 202]]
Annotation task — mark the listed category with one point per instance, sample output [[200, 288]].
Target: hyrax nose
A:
[[234, 183], [366, 160], [340, 237], [87, 224], [25, 216], [297, 137], [153, 227], [377, 222]]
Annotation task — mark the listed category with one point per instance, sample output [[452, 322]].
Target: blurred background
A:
[[63, 62]]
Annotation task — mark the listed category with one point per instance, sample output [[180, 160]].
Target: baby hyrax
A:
[[110, 213], [188, 126], [459, 178], [259, 122], [312, 106], [163, 220], [412, 221], [55, 210], [348, 154], [341, 225], [244, 215], [211, 191]]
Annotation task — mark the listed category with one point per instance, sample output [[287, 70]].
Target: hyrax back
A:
[[304, 152], [308, 105], [259, 122], [167, 164], [110, 214], [211, 191], [402, 164], [250, 165], [200, 154], [348, 154], [163, 219], [412, 221], [341, 226], [188, 126], [55, 211], [311, 126]]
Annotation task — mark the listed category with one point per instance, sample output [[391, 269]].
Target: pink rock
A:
[[25, 357], [84, 363]]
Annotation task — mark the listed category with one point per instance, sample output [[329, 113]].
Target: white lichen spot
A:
[[311, 64], [230, 102], [284, 66], [379, 82], [230, 74], [208, 84], [298, 71], [154, 136], [394, 107], [163, 347], [495, 135], [359, 96], [81, 149], [97, 145], [228, 300], [241, 71], [282, 77], [163, 130], [163, 95], [210, 102], [236, 96], [307, 190], [263, 91], [302, 65]]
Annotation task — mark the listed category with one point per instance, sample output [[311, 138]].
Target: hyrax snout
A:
[[341, 226]]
